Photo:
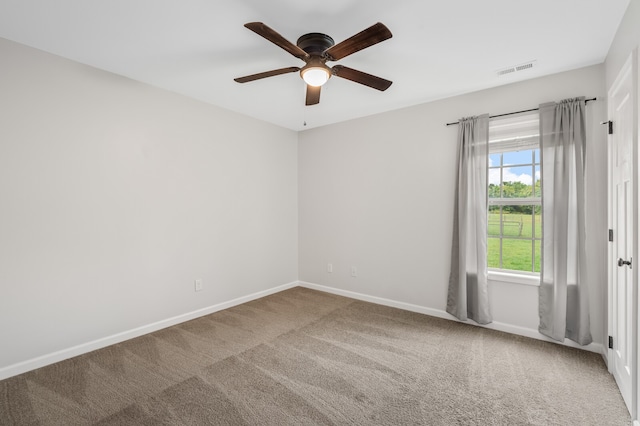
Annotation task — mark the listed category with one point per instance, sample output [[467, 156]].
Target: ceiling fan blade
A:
[[266, 74], [361, 77], [275, 38], [372, 35], [313, 95]]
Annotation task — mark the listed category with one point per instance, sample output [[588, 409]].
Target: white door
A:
[[621, 262]]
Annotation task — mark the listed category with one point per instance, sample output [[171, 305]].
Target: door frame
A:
[[635, 78], [631, 65]]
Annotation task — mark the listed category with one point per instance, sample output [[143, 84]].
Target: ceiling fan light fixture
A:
[[315, 76]]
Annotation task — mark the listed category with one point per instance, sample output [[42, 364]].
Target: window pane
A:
[[494, 221], [538, 221], [527, 221], [519, 228], [494, 160], [494, 190], [517, 157], [517, 254], [537, 153], [493, 252], [518, 174], [538, 192], [512, 222]]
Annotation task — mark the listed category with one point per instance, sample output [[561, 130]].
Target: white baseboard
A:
[[41, 361], [499, 326]]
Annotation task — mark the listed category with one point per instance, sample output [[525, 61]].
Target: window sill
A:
[[514, 278]]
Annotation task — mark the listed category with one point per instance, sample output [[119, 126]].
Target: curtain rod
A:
[[517, 112]]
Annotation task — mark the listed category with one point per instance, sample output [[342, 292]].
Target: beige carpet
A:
[[302, 357]]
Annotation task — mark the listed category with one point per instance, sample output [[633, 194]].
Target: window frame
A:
[[511, 138]]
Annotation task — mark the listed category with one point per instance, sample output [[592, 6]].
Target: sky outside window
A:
[[516, 173]]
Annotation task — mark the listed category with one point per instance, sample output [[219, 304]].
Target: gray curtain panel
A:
[[468, 295], [564, 305]]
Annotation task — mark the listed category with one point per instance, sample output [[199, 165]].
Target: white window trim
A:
[[514, 277]]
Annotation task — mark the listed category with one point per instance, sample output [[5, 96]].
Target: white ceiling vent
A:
[[506, 71], [516, 68]]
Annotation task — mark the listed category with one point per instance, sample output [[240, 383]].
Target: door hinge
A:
[[610, 342], [610, 235], [609, 126]]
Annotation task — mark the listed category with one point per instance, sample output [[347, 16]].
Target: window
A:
[[514, 195]]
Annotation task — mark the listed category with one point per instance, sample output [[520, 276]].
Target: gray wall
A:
[[116, 196], [377, 193], [626, 41]]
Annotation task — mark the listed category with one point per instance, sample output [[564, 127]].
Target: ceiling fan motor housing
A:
[[315, 43]]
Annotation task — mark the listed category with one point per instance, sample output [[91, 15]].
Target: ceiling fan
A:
[[315, 49]]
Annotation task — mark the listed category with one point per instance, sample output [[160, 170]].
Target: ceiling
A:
[[439, 49]]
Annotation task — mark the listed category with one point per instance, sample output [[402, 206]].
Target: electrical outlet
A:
[[198, 285], [354, 271], [329, 267]]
